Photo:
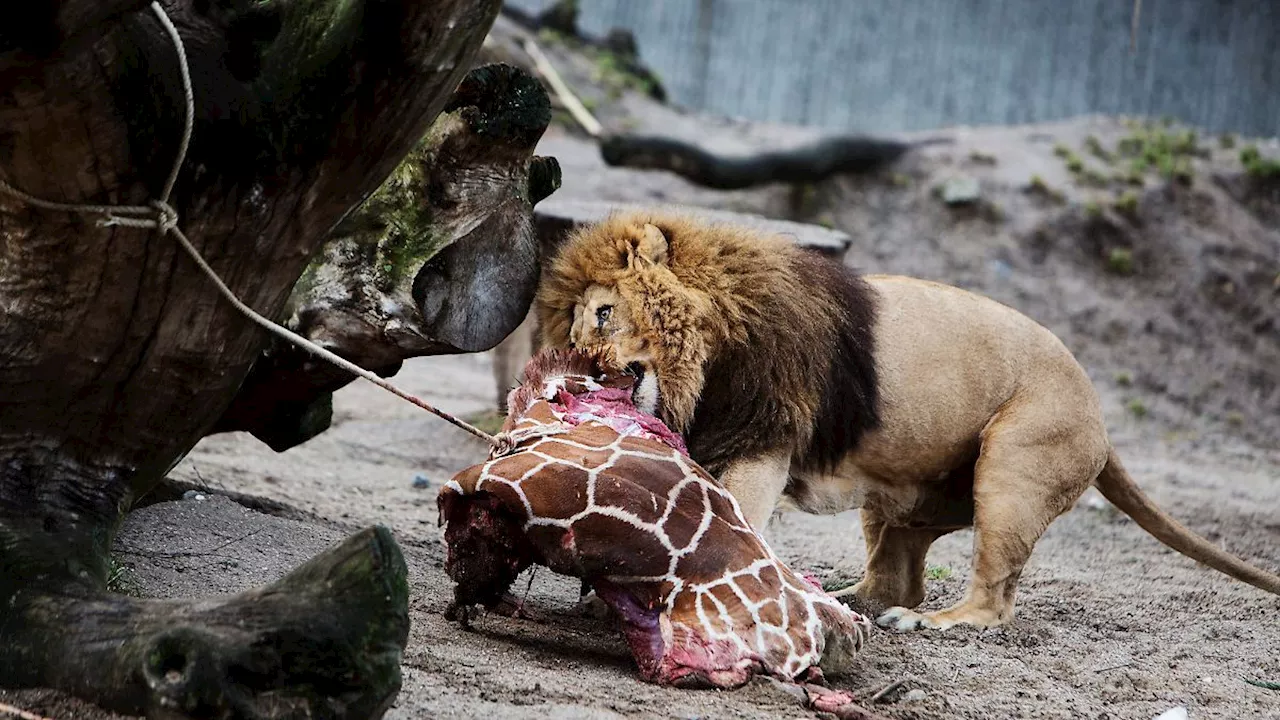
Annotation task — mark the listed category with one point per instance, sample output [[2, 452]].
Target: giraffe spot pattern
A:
[[702, 597]]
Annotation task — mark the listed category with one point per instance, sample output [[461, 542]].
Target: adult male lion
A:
[[929, 407]]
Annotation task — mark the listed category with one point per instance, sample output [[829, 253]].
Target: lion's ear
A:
[[649, 249]]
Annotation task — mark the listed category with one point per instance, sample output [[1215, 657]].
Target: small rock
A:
[[420, 482], [788, 689], [915, 695], [193, 495], [1093, 500], [1001, 269], [960, 191], [1176, 713]]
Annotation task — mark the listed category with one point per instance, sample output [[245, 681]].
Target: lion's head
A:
[[744, 332], [615, 285]]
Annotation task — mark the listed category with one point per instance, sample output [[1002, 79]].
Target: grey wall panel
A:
[[883, 65]]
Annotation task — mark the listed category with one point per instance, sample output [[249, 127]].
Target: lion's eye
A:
[[602, 314]]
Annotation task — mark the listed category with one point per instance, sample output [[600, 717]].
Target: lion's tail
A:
[[1118, 486]]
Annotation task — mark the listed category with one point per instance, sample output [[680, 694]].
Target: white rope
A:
[[161, 216], [188, 121], [561, 88]]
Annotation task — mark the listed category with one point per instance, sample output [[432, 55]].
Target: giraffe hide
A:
[[597, 490]]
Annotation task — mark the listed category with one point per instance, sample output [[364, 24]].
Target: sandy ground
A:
[[1110, 623]]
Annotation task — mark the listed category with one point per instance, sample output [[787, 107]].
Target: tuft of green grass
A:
[[1127, 203], [1182, 171], [1235, 418], [1094, 177], [562, 118], [1227, 141], [1124, 378], [1132, 176], [1136, 408], [1168, 152], [614, 73], [1038, 186], [1095, 148], [1258, 166], [489, 421], [551, 36], [937, 572], [1120, 261], [982, 158], [994, 212], [1092, 209], [1187, 142], [900, 179], [120, 579]]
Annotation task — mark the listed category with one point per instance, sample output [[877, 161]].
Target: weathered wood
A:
[[325, 640], [441, 259], [808, 163], [38, 29], [116, 353]]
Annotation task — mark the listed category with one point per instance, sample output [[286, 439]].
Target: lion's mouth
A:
[[636, 370], [644, 393]]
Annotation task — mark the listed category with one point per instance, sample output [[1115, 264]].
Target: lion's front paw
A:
[[871, 599], [902, 619]]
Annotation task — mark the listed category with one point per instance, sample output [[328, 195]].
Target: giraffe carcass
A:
[[598, 489]]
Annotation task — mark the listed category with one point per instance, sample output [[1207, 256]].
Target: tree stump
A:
[[443, 258], [117, 354]]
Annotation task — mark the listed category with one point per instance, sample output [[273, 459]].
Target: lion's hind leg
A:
[[1028, 473], [895, 564]]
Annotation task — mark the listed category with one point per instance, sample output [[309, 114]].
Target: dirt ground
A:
[[1184, 348], [1110, 624]]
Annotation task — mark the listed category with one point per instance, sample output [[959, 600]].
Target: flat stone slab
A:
[[555, 218]]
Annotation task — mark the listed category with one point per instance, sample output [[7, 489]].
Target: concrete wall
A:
[[883, 65]]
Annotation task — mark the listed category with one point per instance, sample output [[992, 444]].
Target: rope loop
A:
[[166, 217]]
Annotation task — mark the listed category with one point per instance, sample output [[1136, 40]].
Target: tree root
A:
[[809, 163], [325, 641]]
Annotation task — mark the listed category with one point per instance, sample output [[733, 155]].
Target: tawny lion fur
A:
[[929, 407]]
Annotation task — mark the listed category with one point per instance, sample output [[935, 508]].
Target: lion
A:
[[802, 385]]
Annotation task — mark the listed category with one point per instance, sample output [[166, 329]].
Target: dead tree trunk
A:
[[810, 163], [117, 355], [443, 258]]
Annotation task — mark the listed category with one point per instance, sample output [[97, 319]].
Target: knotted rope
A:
[[161, 216]]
